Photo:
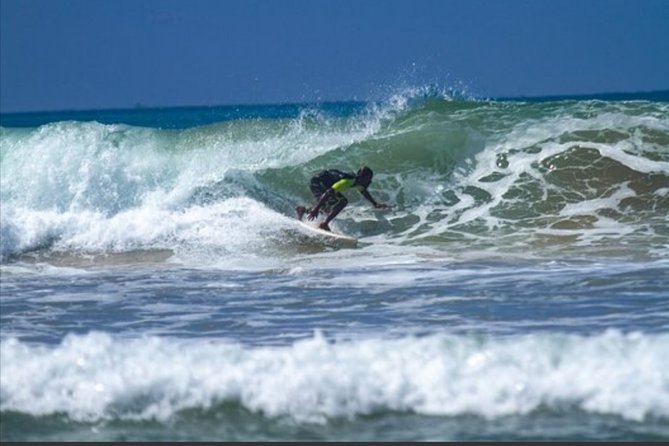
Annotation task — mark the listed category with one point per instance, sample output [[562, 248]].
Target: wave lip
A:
[[97, 377]]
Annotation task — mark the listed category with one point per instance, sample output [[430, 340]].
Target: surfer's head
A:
[[364, 176]]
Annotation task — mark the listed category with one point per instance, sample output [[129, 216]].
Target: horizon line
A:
[[610, 96]]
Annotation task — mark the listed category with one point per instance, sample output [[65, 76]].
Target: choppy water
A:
[[155, 285]]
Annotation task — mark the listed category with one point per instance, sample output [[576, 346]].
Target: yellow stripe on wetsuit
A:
[[344, 184]]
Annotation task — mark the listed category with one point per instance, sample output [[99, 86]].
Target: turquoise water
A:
[[155, 285]]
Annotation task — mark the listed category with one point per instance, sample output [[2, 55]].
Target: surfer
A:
[[327, 187]]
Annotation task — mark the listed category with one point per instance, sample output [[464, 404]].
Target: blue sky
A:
[[89, 54]]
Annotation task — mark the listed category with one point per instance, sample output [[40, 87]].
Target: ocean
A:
[[155, 284]]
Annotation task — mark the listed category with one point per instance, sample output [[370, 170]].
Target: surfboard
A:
[[328, 237]]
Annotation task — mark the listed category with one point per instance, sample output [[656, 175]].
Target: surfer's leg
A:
[[336, 209], [318, 188]]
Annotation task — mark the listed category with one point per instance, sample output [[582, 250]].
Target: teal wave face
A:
[[566, 175]]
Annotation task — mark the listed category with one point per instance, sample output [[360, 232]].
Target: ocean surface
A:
[[156, 286]]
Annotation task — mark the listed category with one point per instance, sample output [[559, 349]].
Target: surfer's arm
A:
[[314, 212], [369, 197]]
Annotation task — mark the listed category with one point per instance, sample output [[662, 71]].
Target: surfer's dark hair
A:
[[365, 171]]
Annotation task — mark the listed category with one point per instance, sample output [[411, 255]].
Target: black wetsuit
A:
[[324, 180]]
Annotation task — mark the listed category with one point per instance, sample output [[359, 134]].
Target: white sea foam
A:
[[88, 186], [233, 225], [96, 376]]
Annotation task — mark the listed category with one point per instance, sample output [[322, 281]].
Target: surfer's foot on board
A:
[[300, 211], [324, 226]]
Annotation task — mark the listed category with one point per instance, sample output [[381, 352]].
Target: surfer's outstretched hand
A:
[[312, 214]]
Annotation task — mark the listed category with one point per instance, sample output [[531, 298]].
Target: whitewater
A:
[[155, 284]]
